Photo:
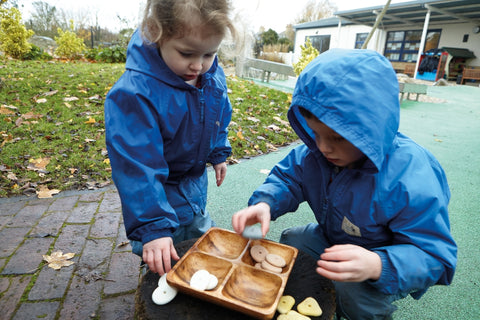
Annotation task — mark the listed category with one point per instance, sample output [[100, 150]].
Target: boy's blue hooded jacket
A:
[[160, 134], [395, 203]]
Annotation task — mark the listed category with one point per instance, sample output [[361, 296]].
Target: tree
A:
[[269, 37], [314, 11], [13, 34], [44, 19]]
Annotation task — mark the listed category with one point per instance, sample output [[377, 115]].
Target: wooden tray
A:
[[241, 286]]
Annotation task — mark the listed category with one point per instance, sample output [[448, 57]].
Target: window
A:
[[321, 43], [404, 45], [360, 40]]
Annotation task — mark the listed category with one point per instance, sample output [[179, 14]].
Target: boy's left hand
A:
[[220, 172], [348, 262]]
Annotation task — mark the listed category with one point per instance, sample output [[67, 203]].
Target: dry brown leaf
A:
[[57, 259], [4, 109], [38, 164], [45, 193]]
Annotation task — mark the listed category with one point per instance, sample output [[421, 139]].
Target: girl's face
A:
[[191, 55], [335, 148]]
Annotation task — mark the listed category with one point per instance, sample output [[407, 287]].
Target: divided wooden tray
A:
[[241, 286]]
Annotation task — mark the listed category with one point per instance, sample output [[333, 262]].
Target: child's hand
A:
[[258, 213], [350, 263], [158, 253], [220, 172]]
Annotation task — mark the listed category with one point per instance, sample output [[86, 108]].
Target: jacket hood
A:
[[143, 56], [355, 93]]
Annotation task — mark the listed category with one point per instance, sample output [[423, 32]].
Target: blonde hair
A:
[[164, 19]]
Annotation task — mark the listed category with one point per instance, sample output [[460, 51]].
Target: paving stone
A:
[[82, 300], [4, 284], [123, 273], [10, 238], [52, 284], [28, 215], [72, 238], [118, 308], [50, 223], [28, 257], [110, 202], [91, 197], [105, 225], [83, 212], [96, 255], [122, 244], [4, 220], [10, 208], [37, 310], [10, 299], [64, 204]]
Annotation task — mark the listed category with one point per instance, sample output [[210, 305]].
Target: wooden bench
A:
[[470, 74], [268, 67], [407, 88], [409, 69]]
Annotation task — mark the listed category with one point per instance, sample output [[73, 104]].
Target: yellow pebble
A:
[[309, 307], [285, 304]]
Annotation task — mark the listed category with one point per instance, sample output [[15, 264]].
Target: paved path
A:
[[102, 282]]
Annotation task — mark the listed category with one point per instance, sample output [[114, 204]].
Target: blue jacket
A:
[[398, 198], [160, 134]]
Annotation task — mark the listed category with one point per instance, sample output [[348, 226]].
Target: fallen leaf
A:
[[69, 99], [38, 164], [4, 109], [240, 135], [57, 259], [41, 100], [45, 193], [12, 176], [90, 121], [50, 93]]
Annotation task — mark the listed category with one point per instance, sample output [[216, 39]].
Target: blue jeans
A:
[[355, 300], [200, 224]]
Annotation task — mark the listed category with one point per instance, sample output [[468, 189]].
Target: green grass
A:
[[52, 125]]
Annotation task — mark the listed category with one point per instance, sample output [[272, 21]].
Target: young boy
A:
[[380, 200]]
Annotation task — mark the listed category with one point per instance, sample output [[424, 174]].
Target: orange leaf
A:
[[90, 121]]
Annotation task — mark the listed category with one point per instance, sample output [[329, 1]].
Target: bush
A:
[[13, 34], [113, 54], [69, 45], [91, 54], [308, 54]]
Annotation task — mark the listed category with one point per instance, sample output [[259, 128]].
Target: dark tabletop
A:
[[303, 282]]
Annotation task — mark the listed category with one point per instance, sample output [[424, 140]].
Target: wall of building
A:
[[451, 36]]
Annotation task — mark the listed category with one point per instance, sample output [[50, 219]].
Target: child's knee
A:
[[362, 301]]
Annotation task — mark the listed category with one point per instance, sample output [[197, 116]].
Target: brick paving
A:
[[102, 282]]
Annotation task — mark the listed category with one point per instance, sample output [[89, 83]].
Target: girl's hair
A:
[[164, 19]]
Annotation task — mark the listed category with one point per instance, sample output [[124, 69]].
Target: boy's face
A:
[[191, 55], [335, 148]]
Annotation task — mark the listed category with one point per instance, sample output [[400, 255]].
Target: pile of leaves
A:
[[52, 134]]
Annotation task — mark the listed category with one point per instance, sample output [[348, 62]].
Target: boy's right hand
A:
[[258, 213], [157, 254]]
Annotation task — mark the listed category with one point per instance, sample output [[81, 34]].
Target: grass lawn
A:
[[52, 134]]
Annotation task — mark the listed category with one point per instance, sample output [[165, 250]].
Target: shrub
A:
[[13, 34], [69, 45], [34, 53], [308, 54], [113, 54]]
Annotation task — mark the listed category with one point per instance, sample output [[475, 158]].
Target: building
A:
[[406, 34]]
